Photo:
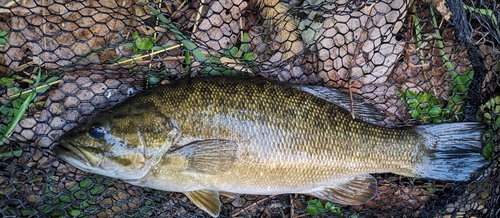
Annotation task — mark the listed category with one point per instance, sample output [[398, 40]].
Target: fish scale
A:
[[253, 136]]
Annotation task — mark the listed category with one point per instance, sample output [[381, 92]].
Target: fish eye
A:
[[97, 131]]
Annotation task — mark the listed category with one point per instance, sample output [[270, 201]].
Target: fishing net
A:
[[61, 62]]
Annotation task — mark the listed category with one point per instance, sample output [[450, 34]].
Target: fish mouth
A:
[[70, 153]]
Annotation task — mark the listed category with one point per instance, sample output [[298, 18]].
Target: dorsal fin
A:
[[363, 109]]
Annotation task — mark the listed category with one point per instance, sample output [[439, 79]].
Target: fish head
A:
[[123, 145]]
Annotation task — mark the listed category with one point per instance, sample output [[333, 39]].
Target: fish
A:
[[208, 136]]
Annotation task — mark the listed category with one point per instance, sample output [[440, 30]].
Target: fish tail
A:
[[453, 151]]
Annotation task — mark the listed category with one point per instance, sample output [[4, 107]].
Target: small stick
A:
[[198, 15], [254, 204]]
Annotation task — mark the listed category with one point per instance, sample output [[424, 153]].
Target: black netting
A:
[[419, 61]]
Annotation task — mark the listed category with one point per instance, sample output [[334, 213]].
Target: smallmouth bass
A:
[[204, 136]]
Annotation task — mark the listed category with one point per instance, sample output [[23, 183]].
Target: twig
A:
[[147, 55], [30, 90], [198, 15], [254, 204], [362, 38]]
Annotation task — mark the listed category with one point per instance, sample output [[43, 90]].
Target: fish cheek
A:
[[129, 163]]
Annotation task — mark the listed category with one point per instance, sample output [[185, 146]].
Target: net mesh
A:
[[416, 60]]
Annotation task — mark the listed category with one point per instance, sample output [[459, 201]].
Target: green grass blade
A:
[[198, 55], [20, 112]]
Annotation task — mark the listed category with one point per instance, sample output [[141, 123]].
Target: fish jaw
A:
[[79, 158]]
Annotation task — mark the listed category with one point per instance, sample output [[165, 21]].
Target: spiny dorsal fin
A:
[[213, 156], [356, 191], [363, 109], [206, 200]]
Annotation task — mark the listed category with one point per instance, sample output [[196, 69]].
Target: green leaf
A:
[[85, 183], [497, 100], [414, 114], [135, 35], [435, 111], [413, 103], [144, 43], [156, 48], [457, 99], [80, 195], [434, 101], [487, 116], [153, 80], [91, 208], [128, 44], [423, 117], [424, 97], [15, 153], [488, 150], [233, 51], [401, 94], [328, 205], [14, 90], [320, 205], [248, 56], [213, 60], [6, 81], [312, 210], [5, 110], [335, 209], [3, 33], [95, 190], [65, 198], [27, 212], [410, 94], [74, 212], [436, 120], [460, 83], [45, 208]]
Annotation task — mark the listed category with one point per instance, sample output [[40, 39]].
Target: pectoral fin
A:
[[206, 200], [212, 156], [356, 191]]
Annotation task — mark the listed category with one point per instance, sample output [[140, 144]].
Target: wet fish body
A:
[[203, 136]]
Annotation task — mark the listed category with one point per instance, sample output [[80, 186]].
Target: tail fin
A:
[[454, 151]]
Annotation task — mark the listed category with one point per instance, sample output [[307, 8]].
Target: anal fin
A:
[[358, 190], [207, 200], [229, 194]]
